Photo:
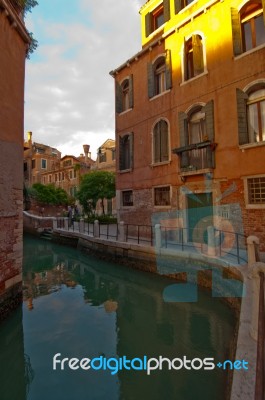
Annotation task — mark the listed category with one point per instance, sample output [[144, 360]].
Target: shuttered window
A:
[[159, 75], [193, 64], [160, 142], [124, 95], [126, 152], [157, 17]]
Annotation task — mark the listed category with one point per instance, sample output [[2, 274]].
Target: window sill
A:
[[124, 171], [255, 206], [194, 78], [246, 53], [125, 111], [183, 10], [159, 95], [160, 163], [251, 145], [155, 32], [196, 172]]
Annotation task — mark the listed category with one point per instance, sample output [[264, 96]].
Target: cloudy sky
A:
[[69, 94]]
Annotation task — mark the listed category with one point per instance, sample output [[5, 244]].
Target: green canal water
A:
[[82, 307]]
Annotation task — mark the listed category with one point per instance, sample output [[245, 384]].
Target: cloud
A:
[[69, 97]]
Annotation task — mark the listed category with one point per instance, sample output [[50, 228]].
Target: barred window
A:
[[127, 198], [256, 190], [162, 196]]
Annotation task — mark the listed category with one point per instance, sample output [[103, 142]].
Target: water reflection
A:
[[82, 307]]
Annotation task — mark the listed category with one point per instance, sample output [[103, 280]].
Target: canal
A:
[[82, 307]]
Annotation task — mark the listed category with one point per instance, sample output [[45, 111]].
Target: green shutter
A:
[[242, 116], [118, 97], [131, 91], [156, 142], [151, 80], [178, 6], [168, 70], [183, 138], [209, 122], [120, 153], [236, 32], [166, 6], [209, 119], [131, 147], [148, 24], [164, 140], [197, 54]]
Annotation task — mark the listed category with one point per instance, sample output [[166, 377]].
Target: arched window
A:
[[252, 25], [197, 134], [160, 76], [248, 27], [251, 115], [125, 95], [160, 142], [193, 57]]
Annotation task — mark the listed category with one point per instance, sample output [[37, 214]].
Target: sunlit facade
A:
[[194, 122]]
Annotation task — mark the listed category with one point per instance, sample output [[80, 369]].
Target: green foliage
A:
[[103, 219], [49, 194], [97, 185]]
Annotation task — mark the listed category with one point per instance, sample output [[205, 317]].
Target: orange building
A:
[[190, 116], [14, 44]]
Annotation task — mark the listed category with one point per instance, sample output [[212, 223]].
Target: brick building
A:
[[190, 116], [14, 43]]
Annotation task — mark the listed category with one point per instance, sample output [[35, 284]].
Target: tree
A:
[[97, 185], [49, 194]]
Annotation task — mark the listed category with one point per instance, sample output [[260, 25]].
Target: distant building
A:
[[190, 116], [38, 159], [14, 43]]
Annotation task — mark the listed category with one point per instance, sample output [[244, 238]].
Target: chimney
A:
[[86, 151], [29, 137]]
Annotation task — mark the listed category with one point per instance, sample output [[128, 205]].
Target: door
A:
[[200, 216]]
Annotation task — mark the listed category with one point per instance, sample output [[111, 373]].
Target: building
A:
[[190, 117], [44, 164], [38, 158], [106, 161], [14, 44], [68, 171]]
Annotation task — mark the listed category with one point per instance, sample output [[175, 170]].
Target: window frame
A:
[[158, 134], [128, 192], [126, 152], [194, 63], [249, 204], [162, 189], [43, 161]]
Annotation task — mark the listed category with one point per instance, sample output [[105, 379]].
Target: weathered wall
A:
[[12, 62]]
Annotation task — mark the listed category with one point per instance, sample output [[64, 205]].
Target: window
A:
[[160, 142], [196, 131], [248, 27], [43, 163], [113, 154], [67, 163], [33, 164], [126, 152], [50, 178], [102, 157], [180, 4], [256, 190], [157, 17], [159, 75], [124, 95], [251, 115], [71, 174], [193, 57], [162, 196], [127, 198]]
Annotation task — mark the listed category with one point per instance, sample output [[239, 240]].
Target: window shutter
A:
[[164, 140], [183, 137], [168, 70], [156, 142], [177, 6], [118, 97], [236, 31], [148, 24], [209, 119], [242, 116], [131, 145], [131, 91], [185, 56], [166, 6], [151, 83], [209, 122], [120, 153], [197, 54], [263, 6]]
